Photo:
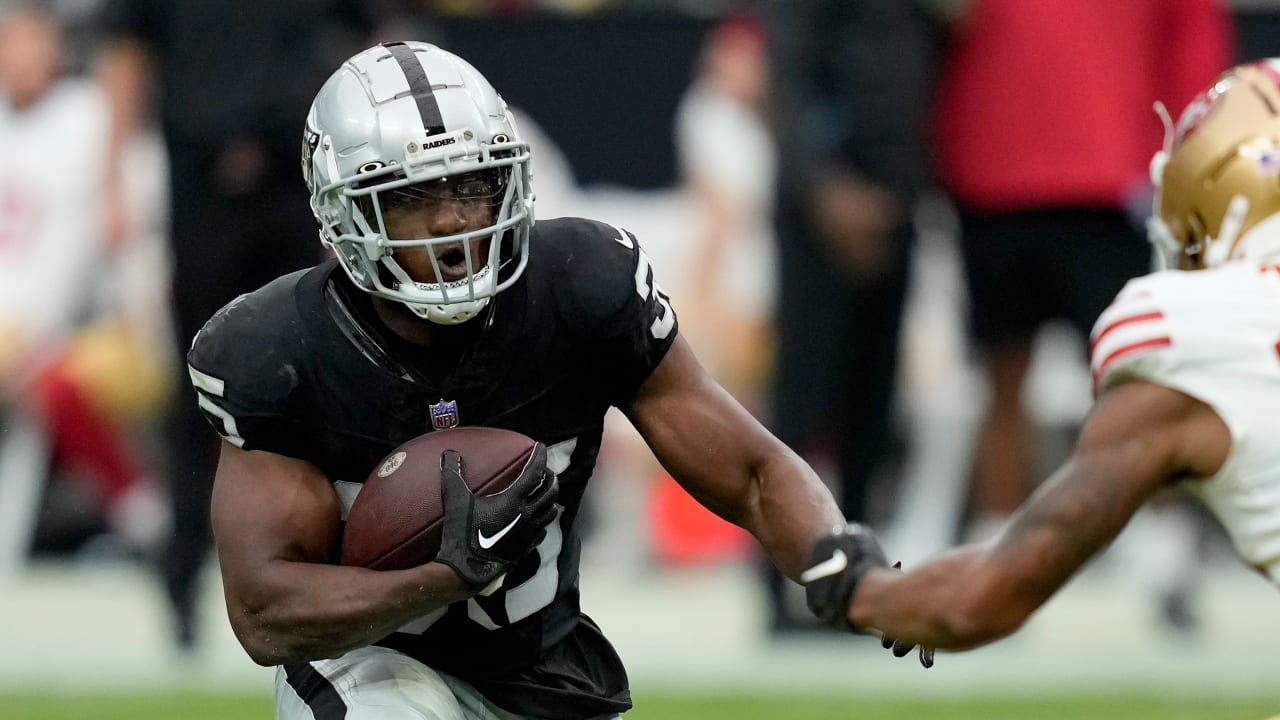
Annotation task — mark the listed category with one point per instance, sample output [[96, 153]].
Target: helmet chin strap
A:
[[1220, 249], [451, 314], [457, 311], [1166, 247]]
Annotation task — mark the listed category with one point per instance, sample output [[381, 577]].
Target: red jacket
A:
[[1049, 102]]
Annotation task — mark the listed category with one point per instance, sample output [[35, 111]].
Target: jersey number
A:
[[666, 319], [207, 385]]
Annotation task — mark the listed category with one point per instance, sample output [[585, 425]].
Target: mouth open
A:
[[453, 264]]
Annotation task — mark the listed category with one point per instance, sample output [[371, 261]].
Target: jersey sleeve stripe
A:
[[1102, 333], [208, 383], [1161, 341], [228, 427]]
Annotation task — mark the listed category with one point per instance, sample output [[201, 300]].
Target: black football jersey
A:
[[302, 367]]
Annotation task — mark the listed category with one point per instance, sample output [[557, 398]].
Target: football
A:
[[396, 519]]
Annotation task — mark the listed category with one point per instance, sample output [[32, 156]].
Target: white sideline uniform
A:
[[376, 683], [51, 186], [1214, 335]]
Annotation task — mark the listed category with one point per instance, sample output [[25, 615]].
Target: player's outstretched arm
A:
[[730, 463], [276, 524], [1138, 438]]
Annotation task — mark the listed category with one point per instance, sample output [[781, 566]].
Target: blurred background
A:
[[886, 226]]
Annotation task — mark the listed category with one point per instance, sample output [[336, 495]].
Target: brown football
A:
[[396, 519]]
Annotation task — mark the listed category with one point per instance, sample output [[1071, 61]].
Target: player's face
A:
[[444, 207]]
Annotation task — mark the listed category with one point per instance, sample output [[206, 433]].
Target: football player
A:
[[444, 305], [1186, 368]]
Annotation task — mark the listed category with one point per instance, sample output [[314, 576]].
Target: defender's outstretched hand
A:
[[484, 535], [900, 648]]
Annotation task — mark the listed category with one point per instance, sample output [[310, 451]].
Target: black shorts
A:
[[1028, 267]]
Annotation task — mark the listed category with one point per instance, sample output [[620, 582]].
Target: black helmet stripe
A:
[[419, 85]]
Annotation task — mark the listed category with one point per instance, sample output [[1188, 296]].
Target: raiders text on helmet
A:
[[390, 120]]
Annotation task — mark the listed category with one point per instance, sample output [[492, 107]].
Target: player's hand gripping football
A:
[[485, 535], [836, 565]]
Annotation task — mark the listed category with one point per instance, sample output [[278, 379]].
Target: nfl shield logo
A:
[[444, 414]]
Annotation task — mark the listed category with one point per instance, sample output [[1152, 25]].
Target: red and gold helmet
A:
[[1217, 180]]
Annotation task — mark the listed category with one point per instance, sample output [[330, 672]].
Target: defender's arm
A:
[[1139, 437]]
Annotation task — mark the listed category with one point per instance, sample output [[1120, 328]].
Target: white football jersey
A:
[[1214, 335], [52, 166]]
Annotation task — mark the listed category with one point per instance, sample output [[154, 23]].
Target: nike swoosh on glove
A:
[[485, 535], [836, 563]]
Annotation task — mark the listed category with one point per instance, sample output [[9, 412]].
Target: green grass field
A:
[[685, 706]]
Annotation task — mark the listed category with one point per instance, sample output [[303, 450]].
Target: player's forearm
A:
[[305, 611], [949, 603], [790, 510]]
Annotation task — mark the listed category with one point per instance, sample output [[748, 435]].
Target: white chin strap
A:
[[1224, 247], [451, 314], [455, 311]]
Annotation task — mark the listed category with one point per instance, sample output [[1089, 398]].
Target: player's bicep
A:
[[1164, 434], [267, 508], [700, 434]]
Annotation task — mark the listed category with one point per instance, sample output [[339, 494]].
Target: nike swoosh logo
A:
[[488, 542], [622, 238], [831, 566]]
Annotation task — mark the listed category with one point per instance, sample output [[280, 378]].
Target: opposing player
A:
[[447, 305], [1187, 381]]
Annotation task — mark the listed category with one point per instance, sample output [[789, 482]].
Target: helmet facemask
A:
[[381, 159]]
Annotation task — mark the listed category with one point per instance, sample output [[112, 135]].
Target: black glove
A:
[[901, 648], [485, 535], [836, 563]]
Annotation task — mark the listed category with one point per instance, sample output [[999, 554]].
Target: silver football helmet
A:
[[404, 120]]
